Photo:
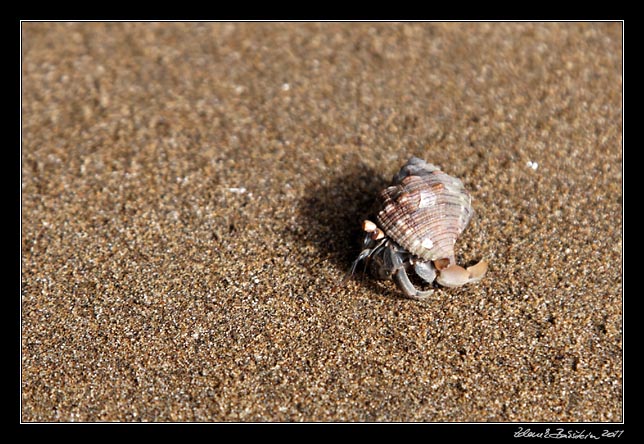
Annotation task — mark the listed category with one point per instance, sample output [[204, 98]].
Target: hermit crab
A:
[[417, 222]]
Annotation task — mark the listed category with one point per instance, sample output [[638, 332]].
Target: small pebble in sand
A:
[[240, 190]]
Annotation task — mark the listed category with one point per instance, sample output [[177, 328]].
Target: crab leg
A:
[[405, 285]]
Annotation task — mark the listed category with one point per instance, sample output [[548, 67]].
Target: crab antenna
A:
[[363, 255]]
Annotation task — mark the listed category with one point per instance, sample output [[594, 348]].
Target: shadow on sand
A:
[[332, 212]]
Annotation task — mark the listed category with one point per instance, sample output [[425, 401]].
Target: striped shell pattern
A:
[[425, 210]]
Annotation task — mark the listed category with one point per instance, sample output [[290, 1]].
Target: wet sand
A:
[[191, 194]]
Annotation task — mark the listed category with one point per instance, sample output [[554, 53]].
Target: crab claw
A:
[[455, 275], [477, 271]]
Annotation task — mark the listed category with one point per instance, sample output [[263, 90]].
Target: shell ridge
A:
[[425, 206]]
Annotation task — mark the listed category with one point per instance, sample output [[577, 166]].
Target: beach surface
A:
[[192, 194]]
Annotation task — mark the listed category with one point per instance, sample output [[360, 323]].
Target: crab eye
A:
[[372, 229], [369, 226]]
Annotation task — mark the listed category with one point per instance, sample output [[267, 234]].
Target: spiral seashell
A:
[[425, 211], [417, 222]]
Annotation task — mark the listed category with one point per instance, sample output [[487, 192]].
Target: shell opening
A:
[[440, 264]]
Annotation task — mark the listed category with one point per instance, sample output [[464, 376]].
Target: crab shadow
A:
[[332, 211]]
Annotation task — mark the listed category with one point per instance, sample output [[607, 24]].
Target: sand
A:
[[192, 193]]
